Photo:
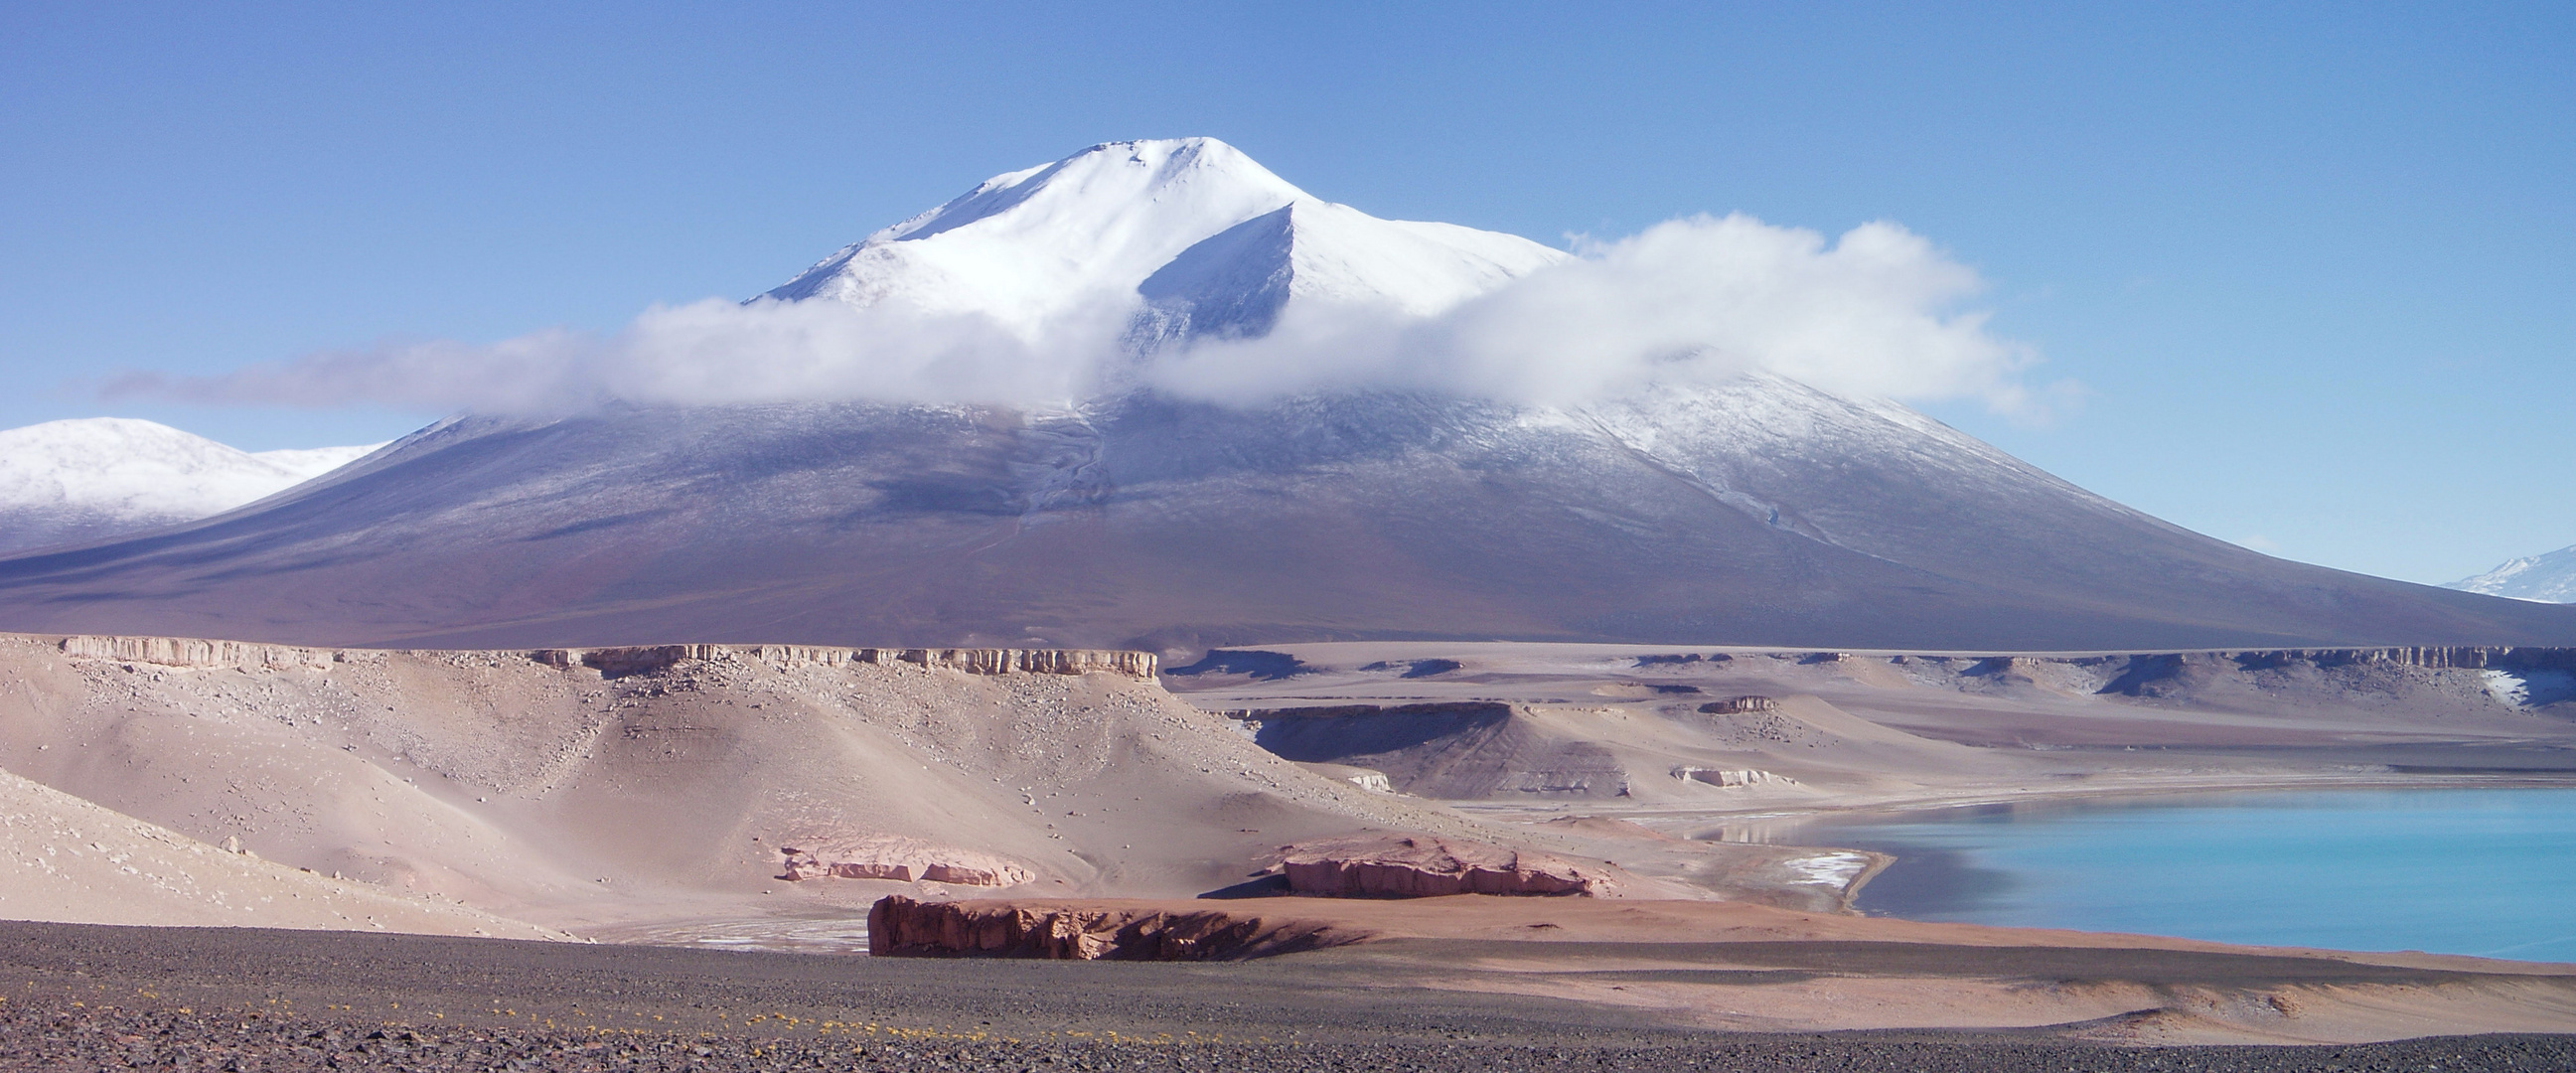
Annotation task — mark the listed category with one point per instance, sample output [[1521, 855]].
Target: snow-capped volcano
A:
[[1235, 283], [1191, 228], [2549, 578], [1757, 510], [91, 478]]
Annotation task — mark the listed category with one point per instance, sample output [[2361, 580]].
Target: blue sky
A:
[[2311, 265]]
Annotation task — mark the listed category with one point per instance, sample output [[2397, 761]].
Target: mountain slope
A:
[[91, 478], [1774, 514], [1761, 511], [2549, 578]]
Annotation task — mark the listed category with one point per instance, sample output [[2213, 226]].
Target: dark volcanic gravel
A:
[[76, 997], [53, 1034]]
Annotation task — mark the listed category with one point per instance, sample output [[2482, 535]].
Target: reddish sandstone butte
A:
[[1421, 866], [905, 927]]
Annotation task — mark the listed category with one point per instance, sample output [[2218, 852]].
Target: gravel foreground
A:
[[89, 997], [56, 1034]]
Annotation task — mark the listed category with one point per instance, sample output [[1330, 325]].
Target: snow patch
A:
[[2524, 689]]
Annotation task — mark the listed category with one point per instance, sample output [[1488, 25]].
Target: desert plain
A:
[[737, 810]]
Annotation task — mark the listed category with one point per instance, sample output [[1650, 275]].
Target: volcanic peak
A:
[[1189, 236]]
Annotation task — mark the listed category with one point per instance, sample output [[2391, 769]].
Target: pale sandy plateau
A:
[[765, 796]]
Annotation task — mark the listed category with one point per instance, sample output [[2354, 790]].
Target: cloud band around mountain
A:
[[1877, 311]]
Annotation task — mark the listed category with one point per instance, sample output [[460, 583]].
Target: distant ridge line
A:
[[2454, 657], [617, 661]]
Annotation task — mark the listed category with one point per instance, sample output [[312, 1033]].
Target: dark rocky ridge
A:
[[1444, 749]]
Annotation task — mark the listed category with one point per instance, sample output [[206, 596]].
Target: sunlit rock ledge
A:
[[198, 652]]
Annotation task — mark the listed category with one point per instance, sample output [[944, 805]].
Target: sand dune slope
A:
[[65, 859]]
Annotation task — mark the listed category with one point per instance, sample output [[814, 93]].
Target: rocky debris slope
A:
[[899, 926], [1418, 866]]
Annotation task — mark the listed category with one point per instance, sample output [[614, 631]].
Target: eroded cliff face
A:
[[199, 652], [618, 661], [613, 662]]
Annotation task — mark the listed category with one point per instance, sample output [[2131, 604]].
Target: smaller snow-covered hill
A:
[[84, 479], [2549, 579]]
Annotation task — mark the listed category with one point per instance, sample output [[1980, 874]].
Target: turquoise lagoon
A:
[[2488, 871]]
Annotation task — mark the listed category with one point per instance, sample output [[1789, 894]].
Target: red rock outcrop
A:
[[903, 860], [1390, 866], [906, 927]]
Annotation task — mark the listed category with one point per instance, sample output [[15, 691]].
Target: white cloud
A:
[[706, 352], [1689, 301], [1877, 311]]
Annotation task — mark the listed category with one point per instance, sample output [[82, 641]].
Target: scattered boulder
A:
[[906, 927], [1739, 705], [1422, 866], [903, 860], [1731, 776]]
